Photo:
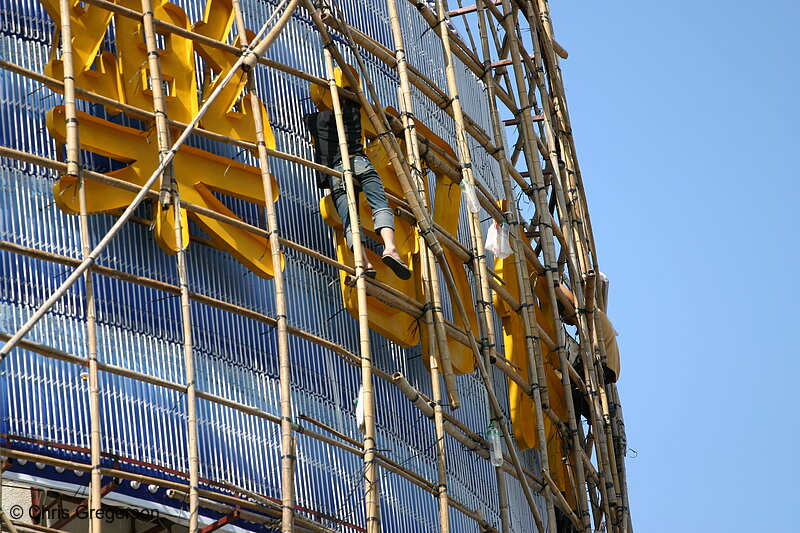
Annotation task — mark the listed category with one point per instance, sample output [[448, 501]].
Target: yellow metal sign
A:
[[125, 77]]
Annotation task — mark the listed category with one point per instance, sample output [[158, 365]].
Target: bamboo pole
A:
[[73, 170], [547, 247], [428, 268], [126, 214], [287, 439], [436, 336], [434, 318], [371, 500], [533, 349], [6, 521], [478, 253], [170, 198]]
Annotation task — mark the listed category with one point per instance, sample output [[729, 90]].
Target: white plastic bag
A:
[[470, 196], [497, 240], [504, 250], [360, 409]]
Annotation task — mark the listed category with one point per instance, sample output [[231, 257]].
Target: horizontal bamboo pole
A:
[[34, 528]]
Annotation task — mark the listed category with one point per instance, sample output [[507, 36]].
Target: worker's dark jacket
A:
[[322, 126]]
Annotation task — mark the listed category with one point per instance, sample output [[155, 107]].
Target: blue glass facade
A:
[[44, 402]]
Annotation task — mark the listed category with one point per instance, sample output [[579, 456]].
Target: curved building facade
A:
[[44, 400]]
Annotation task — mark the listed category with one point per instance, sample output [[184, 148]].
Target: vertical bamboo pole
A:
[[74, 170], [416, 166], [370, 469], [434, 339], [170, 194], [287, 438], [548, 249], [434, 317], [502, 499], [532, 342], [465, 159]]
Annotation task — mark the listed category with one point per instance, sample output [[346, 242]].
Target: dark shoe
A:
[[398, 267], [370, 273]]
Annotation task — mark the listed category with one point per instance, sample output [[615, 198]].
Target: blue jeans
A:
[[366, 179]]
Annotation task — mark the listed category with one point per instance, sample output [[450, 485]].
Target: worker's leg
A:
[[339, 196], [382, 215]]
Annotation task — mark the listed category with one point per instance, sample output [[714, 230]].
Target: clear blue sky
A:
[[685, 117]]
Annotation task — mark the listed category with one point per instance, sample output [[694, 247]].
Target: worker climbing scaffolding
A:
[[322, 126]]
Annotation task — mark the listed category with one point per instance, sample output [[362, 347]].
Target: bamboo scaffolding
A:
[[478, 253], [533, 350], [169, 198], [73, 170], [287, 439], [554, 143], [371, 500], [542, 28], [593, 375], [386, 462], [126, 214], [547, 248]]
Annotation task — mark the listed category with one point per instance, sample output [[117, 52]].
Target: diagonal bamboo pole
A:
[[371, 500], [128, 212], [287, 439], [74, 170]]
